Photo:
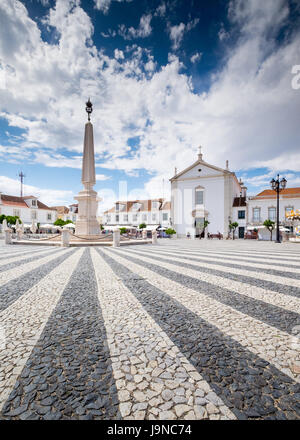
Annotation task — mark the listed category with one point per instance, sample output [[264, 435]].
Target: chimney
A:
[[175, 172], [227, 165], [200, 155]]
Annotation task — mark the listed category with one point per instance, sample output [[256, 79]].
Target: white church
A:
[[206, 192]]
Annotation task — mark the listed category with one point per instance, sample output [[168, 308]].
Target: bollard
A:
[[116, 238], [154, 237], [8, 237], [65, 238], [19, 234]]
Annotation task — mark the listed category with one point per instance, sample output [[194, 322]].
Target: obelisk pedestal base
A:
[[87, 224]]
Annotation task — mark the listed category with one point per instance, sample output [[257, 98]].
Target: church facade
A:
[[204, 192]]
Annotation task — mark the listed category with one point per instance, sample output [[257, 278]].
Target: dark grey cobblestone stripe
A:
[[270, 314], [31, 257], [201, 255], [276, 287], [18, 253], [69, 374], [234, 265], [250, 386], [15, 288]]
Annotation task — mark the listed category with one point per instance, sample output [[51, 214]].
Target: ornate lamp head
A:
[[273, 184], [89, 108], [283, 183]]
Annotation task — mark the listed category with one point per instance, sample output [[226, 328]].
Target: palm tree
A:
[[270, 225], [233, 227]]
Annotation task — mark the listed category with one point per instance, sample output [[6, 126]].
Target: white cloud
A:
[[161, 10], [104, 5], [196, 57], [177, 32], [102, 177], [143, 31], [249, 115], [119, 54], [50, 197]]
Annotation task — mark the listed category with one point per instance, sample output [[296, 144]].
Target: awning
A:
[[151, 227], [251, 228], [69, 226]]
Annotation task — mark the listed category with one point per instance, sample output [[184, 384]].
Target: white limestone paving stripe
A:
[[235, 256], [14, 273], [242, 288], [229, 252], [23, 322], [269, 343], [257, 275], [148, 368], [231, 260], [23, 257], [225, 251]]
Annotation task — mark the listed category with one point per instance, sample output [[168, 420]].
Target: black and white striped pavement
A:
[[181, 330]]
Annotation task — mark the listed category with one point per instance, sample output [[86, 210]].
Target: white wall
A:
[[25, 214]]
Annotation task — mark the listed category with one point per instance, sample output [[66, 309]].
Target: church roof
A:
[[200, 162]]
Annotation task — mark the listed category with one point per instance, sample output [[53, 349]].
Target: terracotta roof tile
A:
[[285, 193], [239, 201]]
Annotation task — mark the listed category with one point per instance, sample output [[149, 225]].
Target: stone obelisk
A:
[[87, 224]]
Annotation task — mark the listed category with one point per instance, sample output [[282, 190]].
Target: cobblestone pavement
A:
[[182, 330]]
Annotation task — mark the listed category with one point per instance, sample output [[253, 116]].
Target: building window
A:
[[165, 216], [74, 218], [256, 214], [288, 210], [155, 205], [49, 216], [125, 217], [16, 212], [154, 217], [117, 217], [199, 197], [33, 215], [117, 207], [108, 218], [144, 217], [241, 214], [33, 202], [272, 214], [134, 217]]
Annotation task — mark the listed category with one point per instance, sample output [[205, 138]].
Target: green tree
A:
[[232, 227], [123, 230], [270, 225], [142, 226], [59, 222], [170, 231], [12, 219]]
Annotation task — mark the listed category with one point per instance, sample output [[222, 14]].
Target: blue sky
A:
[[164, 78]]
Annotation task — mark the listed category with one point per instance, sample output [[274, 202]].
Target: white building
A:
[[153, 213], [263, 207], [67, 213], [28, 208], [203, 192]]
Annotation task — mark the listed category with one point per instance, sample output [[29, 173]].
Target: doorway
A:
[[241, 231]]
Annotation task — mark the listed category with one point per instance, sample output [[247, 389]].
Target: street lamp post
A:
[[278, 185]]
